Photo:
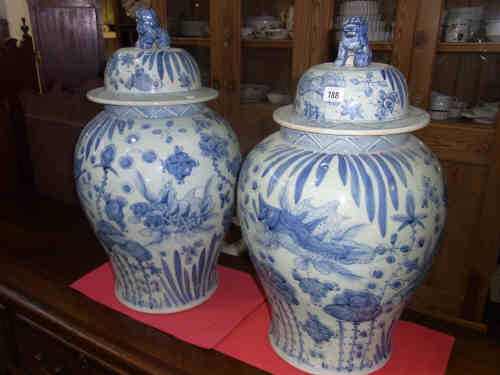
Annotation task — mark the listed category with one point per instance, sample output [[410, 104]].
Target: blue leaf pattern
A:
[[385, 169]]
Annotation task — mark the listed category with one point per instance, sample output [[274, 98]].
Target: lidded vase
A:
[[342, 211], [156, 173]]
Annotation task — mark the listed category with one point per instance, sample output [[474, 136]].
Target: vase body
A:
[[341, 229], [157, 185]]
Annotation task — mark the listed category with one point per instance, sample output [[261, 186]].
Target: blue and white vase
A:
[[156, 173], [342, 210]]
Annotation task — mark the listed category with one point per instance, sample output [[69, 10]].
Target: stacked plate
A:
[[462, 24], [492, 29], [440, 105]]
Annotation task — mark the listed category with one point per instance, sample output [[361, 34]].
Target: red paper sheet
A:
[[205, 325], [416, 349]]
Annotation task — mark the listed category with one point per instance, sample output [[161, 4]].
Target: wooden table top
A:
[[47, 246]]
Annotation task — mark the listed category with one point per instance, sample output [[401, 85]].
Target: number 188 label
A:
[[333, 94]]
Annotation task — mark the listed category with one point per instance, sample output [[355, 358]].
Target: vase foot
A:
[[322, 371], [168, 310]]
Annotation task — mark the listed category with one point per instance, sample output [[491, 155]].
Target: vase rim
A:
[[103, 96], [416, 119]]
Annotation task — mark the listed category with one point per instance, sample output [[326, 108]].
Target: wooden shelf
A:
[[457, 124], [469, 47], [267, 43], [381, 46], [186, 41]]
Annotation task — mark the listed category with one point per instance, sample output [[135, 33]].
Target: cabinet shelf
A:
[[461, 125], [381, 46], [188, 41], [469, 47], [267, 43]]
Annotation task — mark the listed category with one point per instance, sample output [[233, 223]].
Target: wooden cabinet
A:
[[42, 352], [457, 286]]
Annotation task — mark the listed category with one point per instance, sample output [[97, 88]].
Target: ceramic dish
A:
[[279, 98], [277, 34], [253, 93], [263, 23]]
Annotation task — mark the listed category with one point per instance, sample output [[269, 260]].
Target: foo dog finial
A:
[[150, 30], [354, 49]]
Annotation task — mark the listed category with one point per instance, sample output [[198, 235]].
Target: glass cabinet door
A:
[[466, 83], [189, 26], [265, 77]]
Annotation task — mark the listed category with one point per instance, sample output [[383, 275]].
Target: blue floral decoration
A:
[[167, 214], [316, 330], [354, 306], [180, 165], [411, 219], [314, 288], [385, 104], [213, 146], [185, 81], [352, 109], [128, 60], [275, 280], [114, 210]]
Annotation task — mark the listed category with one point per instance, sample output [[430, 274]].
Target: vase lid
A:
[[352, 95], [152, 73]]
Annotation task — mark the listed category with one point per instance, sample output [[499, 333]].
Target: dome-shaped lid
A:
[[352, 96], [151, 75]]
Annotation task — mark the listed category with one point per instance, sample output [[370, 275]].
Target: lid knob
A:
[[150, 30], [354, 50]]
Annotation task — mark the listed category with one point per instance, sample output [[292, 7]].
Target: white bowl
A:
[[262, 23], [493, 30], [438, 115], [277, 34], [247, 33], [279, 98], [253, 93]]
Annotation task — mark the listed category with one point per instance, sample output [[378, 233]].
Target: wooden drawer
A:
[[43, 353]]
